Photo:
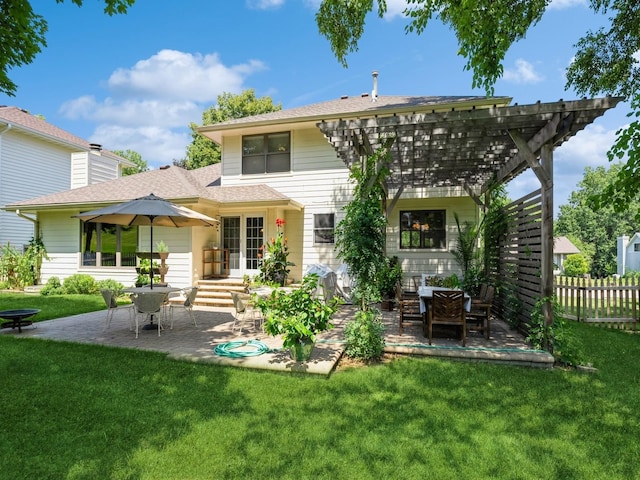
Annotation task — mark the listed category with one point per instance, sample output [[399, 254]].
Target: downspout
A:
[[36, 224]]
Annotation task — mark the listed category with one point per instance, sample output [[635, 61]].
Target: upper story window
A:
[[423, 229], [269, 153], [636, 247], [323, 228]]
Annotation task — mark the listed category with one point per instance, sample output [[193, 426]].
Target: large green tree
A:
[[605, 62], [202, 151], [596, 231], [135, 157], [22, 34]]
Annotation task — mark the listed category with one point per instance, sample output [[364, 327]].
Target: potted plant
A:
[[144, 270], [298, 315], [162, 249], [142, 279], [274, 266], [389, 277]]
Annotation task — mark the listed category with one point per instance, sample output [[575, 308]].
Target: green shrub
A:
[[575, 265], [557, 338], [631, 274], [113, 285], [298, 315], [15, 267], [53, 287], [80, 283], [364, 335]]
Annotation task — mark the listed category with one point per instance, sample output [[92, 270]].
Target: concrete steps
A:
[[215, 293]]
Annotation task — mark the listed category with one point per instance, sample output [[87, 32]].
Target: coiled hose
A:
[[235, 350]]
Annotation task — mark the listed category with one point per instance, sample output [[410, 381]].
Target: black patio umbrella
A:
[[149, 211]]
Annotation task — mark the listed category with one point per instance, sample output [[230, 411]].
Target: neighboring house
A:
[[294, 165], [628, 254], [562, 248], [37, 158]]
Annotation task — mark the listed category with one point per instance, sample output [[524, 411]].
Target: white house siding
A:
[[320, 181], [79, 169], [61, 237], [89, 168], [101, 168], [430, 262], [29, 167], [182, 269], [628, 259]]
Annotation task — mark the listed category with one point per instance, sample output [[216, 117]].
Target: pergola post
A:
[[546, 161]]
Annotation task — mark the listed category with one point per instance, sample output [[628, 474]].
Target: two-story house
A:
[[38, 158], [294, 165]]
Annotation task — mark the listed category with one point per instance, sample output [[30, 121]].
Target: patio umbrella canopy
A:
[[151, 211]]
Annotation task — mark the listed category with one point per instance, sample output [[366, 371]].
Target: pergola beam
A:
[[476, 149]]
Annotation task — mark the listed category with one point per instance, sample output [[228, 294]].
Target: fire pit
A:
[[18, 318]]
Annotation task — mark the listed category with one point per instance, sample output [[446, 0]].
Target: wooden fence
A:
[[611, 302]]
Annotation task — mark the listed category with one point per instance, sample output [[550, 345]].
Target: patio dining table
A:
[[426, 295]]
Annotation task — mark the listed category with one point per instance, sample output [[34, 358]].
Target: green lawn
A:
[[88, 412], [54, 306]]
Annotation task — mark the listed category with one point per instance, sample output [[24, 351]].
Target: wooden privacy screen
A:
[[516, 268]]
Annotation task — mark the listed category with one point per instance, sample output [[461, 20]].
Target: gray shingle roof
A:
[[358, 105], [23, 120], [172, 183], [562, 245]]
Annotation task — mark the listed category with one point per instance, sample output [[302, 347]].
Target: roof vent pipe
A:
[[374, 92], [95, 147]]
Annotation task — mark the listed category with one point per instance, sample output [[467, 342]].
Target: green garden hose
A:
[[232, 349]]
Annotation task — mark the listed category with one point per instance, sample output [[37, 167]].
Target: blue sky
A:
[[136, 81]]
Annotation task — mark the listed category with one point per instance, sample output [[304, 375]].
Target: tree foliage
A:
[[597, 229], [605, 62], [202, 151], [575, 265], [22, 34], [360, 235], [135, 157], [485, 29]]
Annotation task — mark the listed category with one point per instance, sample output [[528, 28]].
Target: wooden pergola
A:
[[476, 149]]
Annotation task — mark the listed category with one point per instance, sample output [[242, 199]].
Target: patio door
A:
[[243, 237]]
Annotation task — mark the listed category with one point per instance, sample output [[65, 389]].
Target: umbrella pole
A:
[[151, 254]]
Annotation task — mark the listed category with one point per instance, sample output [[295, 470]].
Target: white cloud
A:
[[152, 103], [158, 146], [395, 8], [523, 72], [171, 74], [562, 4], [587, 148]]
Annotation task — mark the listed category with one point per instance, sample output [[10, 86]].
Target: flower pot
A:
[[301, 351], [280, 278]]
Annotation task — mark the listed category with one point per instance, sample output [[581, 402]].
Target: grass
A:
[[53, 306], [93, 412]]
